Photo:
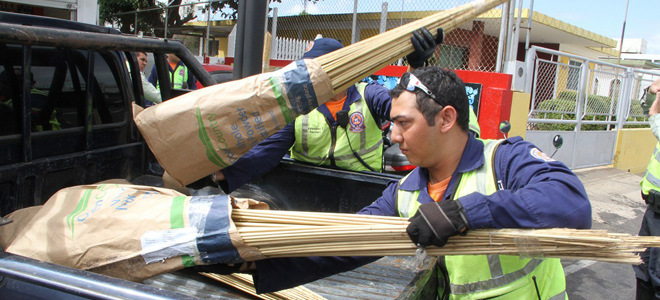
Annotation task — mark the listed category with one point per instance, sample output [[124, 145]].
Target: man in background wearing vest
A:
[[648, 273], [344, 132], [180, 76], [462, 183]]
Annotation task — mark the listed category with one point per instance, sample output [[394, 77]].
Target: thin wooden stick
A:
[[244, 283], [291, 233], [352, 63]]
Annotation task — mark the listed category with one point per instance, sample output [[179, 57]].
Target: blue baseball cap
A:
[[322, 46]]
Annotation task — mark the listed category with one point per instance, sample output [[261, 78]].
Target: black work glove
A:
[[424, 44], [435, 222], [247, 267]]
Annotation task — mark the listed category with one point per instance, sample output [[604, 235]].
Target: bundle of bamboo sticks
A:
[[244, 283], [350, 64], [295, 234]]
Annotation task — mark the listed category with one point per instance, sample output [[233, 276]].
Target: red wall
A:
[[496, 97]]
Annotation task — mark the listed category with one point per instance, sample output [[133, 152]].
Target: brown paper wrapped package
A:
[[127, 231], [203, 131]]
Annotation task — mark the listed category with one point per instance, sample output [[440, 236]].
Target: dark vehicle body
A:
[[219, 73], [83, 73]]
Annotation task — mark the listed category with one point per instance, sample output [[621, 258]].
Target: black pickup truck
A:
[[66, 91]]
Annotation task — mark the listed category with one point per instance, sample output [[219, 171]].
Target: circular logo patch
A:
[[538, 154], [357, 122]]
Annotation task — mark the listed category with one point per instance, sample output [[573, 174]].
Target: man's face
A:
[[418, 141], [173, 58], [142, 61]]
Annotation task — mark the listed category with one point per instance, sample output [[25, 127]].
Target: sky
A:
[[604, 17]]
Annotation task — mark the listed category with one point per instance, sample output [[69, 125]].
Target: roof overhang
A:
[[217, 29], [544, 29]]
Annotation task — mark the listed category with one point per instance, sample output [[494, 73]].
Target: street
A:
[[617, 207]]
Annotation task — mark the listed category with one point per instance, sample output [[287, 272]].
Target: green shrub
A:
[[595, 110]]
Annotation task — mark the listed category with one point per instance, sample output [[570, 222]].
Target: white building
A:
[[85, 11]]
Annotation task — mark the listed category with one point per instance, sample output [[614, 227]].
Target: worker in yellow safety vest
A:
[[461, 183], [344, 132], [180, 75], [38, 103], [648, 273]]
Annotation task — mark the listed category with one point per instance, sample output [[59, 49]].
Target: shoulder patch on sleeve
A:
[[538, 154]]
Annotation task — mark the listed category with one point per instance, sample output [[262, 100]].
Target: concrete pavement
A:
[[617, 207]]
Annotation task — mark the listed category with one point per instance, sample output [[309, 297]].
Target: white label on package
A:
[[163, 244]]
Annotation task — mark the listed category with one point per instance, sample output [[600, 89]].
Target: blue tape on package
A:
[[299, 89], [214, 244]]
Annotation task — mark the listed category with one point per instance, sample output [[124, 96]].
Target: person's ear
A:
[[446, 118]]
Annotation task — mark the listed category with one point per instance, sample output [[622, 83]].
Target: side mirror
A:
[[557, 142], [505, 127]]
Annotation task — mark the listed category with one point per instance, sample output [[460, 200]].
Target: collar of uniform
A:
[[473, 156], [180, 63], [471, 159], [352, 95]]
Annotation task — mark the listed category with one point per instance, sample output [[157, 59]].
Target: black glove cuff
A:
[[445, 216]]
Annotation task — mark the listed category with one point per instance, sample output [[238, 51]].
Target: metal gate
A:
[[584, 101]]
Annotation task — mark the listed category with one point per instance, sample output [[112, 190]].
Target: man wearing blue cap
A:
[[344, 132]]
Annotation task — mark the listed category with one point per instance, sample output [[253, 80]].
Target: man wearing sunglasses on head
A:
[[461, 183]]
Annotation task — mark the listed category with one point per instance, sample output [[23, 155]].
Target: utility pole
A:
[[623, 31]]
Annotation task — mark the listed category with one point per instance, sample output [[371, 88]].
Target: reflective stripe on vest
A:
[[314, 138], [491, 276], [651, 180], [474, 123]]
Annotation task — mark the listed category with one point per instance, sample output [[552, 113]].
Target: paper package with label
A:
[[203, 131], [134, 232]]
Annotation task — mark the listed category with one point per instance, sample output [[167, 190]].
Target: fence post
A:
[[582, 93], [354, 37], [383, 18], [274, 42], [167, 15], [503, 31], [625, 98], [208, 32], [530, 56]]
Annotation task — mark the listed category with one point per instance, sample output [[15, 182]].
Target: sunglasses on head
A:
[[410, 82]]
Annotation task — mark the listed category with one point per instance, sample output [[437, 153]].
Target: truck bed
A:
[[386, 278]]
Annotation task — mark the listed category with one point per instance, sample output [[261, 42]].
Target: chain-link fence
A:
[[575, 93], [572, 92], [473, 46], [638, 112]]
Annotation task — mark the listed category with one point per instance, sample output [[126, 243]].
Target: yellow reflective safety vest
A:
[[474, 123], [320, 143], [54, 124], [178, 77], [491, 276], [651, 180]]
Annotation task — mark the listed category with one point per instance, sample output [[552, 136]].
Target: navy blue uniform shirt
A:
[[267, 154], [537, 192]]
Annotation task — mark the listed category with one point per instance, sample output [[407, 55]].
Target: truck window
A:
[[60, 85]]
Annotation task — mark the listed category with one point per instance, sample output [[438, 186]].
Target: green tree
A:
[[151, 16]]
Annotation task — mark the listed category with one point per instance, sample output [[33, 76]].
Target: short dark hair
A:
[[447, 88]]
